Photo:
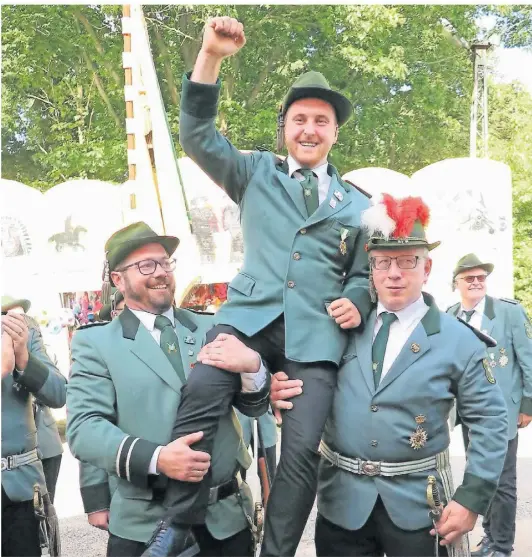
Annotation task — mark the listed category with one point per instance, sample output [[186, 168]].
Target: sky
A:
[[514, 64]]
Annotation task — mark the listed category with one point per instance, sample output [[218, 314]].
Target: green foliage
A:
[[409, 77]]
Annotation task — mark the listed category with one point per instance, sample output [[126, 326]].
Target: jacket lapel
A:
[[341, 200], [363, 344], [144, 347], [488, 319], [417, 344], [292, 187]]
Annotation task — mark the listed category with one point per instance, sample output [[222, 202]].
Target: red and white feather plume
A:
[[395, 217]]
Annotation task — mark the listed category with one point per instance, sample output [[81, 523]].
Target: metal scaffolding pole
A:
[[478, 137]]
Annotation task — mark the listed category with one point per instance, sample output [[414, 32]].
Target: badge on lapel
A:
[[171, 347], [189, 340], [344, 233], [503, 360], [487, 371]]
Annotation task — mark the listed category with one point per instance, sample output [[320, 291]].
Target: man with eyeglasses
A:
[[387, 433], [511, 365], [125, 388]]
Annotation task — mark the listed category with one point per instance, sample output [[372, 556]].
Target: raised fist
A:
[[223, 37]]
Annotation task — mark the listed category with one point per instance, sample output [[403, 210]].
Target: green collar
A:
[[431, 320], [489, 309], [130, 322], [282, 166]]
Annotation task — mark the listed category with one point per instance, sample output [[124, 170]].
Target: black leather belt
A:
[[222, 491]]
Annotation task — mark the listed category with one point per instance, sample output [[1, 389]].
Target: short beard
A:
[[130, 294]]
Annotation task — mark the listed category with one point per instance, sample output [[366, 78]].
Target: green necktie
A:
[[379, 345], [468, 315], [170, 344], [310, 190]]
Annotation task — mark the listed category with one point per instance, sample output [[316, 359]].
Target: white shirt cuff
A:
[[153, 462], [252, 382]]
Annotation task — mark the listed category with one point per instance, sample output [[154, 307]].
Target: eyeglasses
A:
[[471, 278], [383, 262], [148, 266]]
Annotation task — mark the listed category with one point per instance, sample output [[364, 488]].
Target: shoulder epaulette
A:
[[363, 192], [261, 149], [197, 312], [509, 300], [91, 325], [490, 342]]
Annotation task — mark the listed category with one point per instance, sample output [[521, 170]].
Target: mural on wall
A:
[[15, 238], [69, 238]]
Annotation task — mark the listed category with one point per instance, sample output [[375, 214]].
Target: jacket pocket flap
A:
[[130, 491], [243, 283]]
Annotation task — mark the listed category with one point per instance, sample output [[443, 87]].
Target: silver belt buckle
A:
[[369, 468], [7, 463], [213, 495]]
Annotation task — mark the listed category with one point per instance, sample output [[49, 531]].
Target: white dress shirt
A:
[[251, 382], [476, 318], [324, 179], [408, 319]]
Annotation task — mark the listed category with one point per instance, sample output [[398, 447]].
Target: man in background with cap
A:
[[303, 282], [396, 386], [125, 387], [27, 372], [511, 365]]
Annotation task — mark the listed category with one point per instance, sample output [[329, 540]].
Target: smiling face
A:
[[152, 293], [398, 288], [310, 131], [471, 293]]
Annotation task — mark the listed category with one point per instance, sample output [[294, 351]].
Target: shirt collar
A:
[[408, 314], [320, 171], [148, 319], [479, 307]]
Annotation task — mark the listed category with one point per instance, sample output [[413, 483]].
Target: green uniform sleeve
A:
[[91, 432], [522, 341], [210, 150], [41, 377], [254, 404], [94, 487], [357, 280], [481, 406]]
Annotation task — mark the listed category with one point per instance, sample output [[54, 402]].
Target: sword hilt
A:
[[434, 499]]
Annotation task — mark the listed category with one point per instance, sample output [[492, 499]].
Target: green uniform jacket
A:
[[511, 360], [268, 427], [48, 438], [441, 360], [42, 380], [122, 401], [292, 263]]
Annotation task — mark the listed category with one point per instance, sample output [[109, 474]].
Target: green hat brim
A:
[[116, 256], [10, 304], [382, 243], [488, 267], [342, 105], [105, 312]]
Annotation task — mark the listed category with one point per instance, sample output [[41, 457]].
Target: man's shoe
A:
[[483, 548], [171, 540], [499, 554]]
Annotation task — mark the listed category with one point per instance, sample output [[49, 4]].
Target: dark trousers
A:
[[377, 537], [20, 529], [51, 468], [499, 522], [208, 395], [239, 545]]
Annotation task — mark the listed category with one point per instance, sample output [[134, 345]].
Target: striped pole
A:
[[127, 63]]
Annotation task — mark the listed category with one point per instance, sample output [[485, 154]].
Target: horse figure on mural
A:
[[68, 238]]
